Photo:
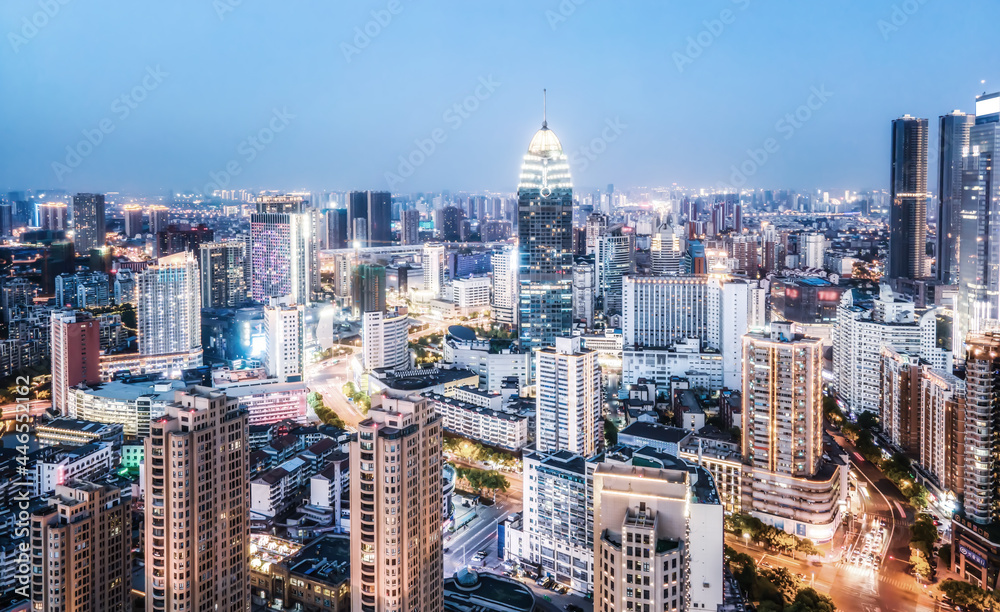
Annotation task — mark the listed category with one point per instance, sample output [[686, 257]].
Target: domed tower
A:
[[545, 242]]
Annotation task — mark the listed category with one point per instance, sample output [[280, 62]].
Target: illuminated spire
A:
[[545, 122]]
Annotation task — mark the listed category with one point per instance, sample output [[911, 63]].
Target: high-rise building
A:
[[452, 218], [133, 220], [375, 207], [568, 404], [88, 222], [385, 340], [81, 549], [368, 288], [942, 428], [545, 243], [409, 222], [908, 216], [333, 231], [584, 291], [197, 530], [504, 299], [83, 290], [596, 224], [615, 258], [169, 312], [979, 241], [284, 334], [284, 249], [812, 247], [783, 435], [53, 216], [222, 274], [657, 538], [953, 141], [899, 402], [666, 251], [159, 218], [182, 237], [396, 500], [76, 353], [435, 267]]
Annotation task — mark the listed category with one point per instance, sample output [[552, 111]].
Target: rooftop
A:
[[655, 431]]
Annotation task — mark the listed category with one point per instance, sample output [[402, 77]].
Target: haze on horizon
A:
[[639, 93]]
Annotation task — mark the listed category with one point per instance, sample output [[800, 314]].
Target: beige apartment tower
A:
[[80, 553], [196, 515], [396, 558]]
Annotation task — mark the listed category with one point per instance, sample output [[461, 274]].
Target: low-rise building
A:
[[287, 576], [662, 437], [55, 465], [507, 430], [74, 432], [493, 360], [132, 402]]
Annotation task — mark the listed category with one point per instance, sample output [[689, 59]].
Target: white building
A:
[[504, 300], [667, 251], [435, 268], [284, 328], [499, 428], [812, 247], [568, 407], [473, 293], [492, 362], [169, 312], [615, 258], [269, 401], [284, 249], [384, 340], [277, 488], [685, 358], [330, 490], [584, 292], [133, 404], [58, 465], [863, 328]]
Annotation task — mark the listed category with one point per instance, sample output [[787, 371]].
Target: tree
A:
[[944, 554], [868, 420], [806, 546], [921, 566], [610, 432], [965, 594], [808, 600], [924, 534]]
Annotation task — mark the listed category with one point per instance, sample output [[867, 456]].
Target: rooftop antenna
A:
[[545, 123]]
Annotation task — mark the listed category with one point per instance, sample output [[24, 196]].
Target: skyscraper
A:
[[435, 268], [284, 333], [76, 353], [979, 241], [545, 243], [451, 224], [504, 298], [375, 208], [81, 549], [88, 221], [953, 141], [568, 406], [197, 532], [409, 232], [908, 216], [133, 220], [396, 508], [333, 232], [159, 218], [52, 216], [169, 312], [615, 259], [368, 288], [222, 274], [284, 249]]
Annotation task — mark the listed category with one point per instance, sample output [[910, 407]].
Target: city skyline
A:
[[189, 113]]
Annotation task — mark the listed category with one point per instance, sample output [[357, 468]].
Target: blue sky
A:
[[338, 111]]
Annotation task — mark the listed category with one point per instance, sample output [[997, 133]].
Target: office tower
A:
[[222, 274], [375, 208], [133, 220], [596, 224], [88, 222], [196, 513], [81, 549], [568, 405], [53, 216], [658, 538], [435, 268], [666, 251], [545, 243], [76, 353], [182, 237], [863, 327], [360, 231], [169, 311], [504, 299], [333, 231], [409, 221], [558, 525], [908, 181], [615, 259], [584, 291], [812, 247], [783, 435], [953, 142], [6, 220], [385, 340], [396, 500], [284, 249], [368, 288], [284, 334], [159, 218], [452, 218]]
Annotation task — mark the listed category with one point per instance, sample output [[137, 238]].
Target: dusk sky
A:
[[653, 92]]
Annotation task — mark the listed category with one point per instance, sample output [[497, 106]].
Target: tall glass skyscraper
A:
[[545, 243], [953, 140], [908, 216]]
